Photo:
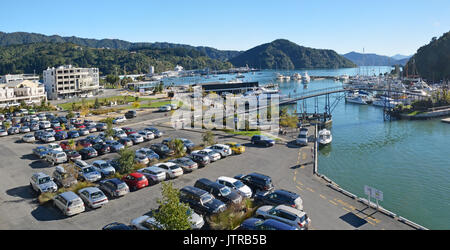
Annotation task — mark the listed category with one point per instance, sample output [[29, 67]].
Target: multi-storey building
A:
[[68, 81], [13, 92], [18, 77]]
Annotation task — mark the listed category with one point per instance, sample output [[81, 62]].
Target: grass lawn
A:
[[415, 113], [68, 106], [249, 133]]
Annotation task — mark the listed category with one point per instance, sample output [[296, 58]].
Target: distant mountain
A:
[[399, 57], [18, 38], [432, 61], [283, 54], [374, 59]]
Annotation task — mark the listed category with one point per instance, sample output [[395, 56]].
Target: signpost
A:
[[374, 193]]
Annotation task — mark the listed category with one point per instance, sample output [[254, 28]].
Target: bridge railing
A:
[[323, 91]]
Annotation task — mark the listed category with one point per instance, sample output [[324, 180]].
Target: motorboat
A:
[[357, 98], [384, 101], [325, 137], [280, 77], [306, 78], [239, 75], [296, 76]]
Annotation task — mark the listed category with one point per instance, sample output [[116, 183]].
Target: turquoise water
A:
[[408, 160]]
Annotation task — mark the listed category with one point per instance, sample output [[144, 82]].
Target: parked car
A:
[[201, 160], [28, 138], [54, 147], [93, 197], [69, 203], [63, 178], [44, 124], [114, 187], [155, 131], [120, 119], [141, 159], [262, 140], [3, 132], [102, 148], [237, 185], [213, 155], [201, 201], [257, 182], [146, 222], [41, 151], [188, 144], [302, 138], [165, 108], [162, 150], [72, 155], [171, 169], [187, 164], [73, 134], [119, 133], [104, 168], [88, 153], [83, 143], [127, 142], [269, 224], [147, 135], [129, 131], [61, 135], [89, 174], [115, 146], [219, 191], [91, 128], [116, 226], [222, 149], [280, 197], [13, 130], [136, 138], [83, 131], [285, 214], [56, 157], [149, 153], [131, 114], [101, 126], [24, 129], [153, 174], [42, 183], [135, 181]]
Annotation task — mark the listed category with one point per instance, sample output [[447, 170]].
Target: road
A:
[[289, 166]]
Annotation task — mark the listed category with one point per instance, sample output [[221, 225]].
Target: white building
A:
[[19, 77], [13, 92], [68, 81]]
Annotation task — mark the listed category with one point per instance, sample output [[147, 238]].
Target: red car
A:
[[135, 181], [84, 143], [65, 145], [79, 125], [129, 131], [57, 129]]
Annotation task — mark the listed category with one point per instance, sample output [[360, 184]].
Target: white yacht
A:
[[287, 78], [325, 137], [385, 101], [306, 78], [280, 77], [357, 98], [296, 76]]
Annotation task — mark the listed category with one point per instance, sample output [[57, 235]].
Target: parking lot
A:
[[289, 166]]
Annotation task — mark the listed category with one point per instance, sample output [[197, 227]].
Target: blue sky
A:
[[382, 27]]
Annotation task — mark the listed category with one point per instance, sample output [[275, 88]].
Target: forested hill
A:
[[18, 38], [432, 61], [36, 57], [283, 54], [373, 59]]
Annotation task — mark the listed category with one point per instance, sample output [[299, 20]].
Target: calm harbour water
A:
[[408, 160]]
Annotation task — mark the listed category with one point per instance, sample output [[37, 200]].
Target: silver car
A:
[[136, 138], [285, 214], [42, 183], [28, 138], [222, 149], [104, 168], [89, 174], [147, 135], [69, 203], [153, 174], [93, 197]]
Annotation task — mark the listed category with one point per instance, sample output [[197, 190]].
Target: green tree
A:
[[172, 214], [208, 138], [126, 160], [109, 132], [177, 145], [96, 104], [70, 115]]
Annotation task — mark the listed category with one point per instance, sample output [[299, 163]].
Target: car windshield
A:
[[44, 180], [207, 198], [174, 167], [97, 195], [141, 178], [225, 191], [303, 218], [238, 184], [264, 137], [121, 185], [60, 155], [164, 148], [88, 170], [104, 165]]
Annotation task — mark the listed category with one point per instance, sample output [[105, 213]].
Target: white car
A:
[[147, 135], [42, 183], [55, 147], [302, 138], [44, 124], [136, 138], [120, 119], [223, 150], [48, 138], [3, 132], [171, 169], [141, 159], [28, 138], [69, 203], [153, 174], [237, 185], [120, 134], [165, 108], [213, 155], [55, 157], [93, 197]]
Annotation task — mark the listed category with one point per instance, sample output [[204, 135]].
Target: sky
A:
[[382, 27]]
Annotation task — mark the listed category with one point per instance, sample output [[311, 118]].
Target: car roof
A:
[[165, 163], [69, 195], [227, 179], [40, 174], [194, 190], [287, 193], [210, 183], [89, 189], [290, 210], [114, 180], [260, 176], [136, 175]]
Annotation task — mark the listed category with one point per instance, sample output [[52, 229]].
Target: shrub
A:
[[233, 216]]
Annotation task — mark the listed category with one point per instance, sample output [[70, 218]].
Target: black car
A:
[[201, 201], [280, 197], [257, 182], [117, 226], [155, 131], [162, 150], [201, 160], [220, 192], [102, 148], [63, 120], [130, 114], [126, 141], [88, 153], [114, 187], [262, 140]]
